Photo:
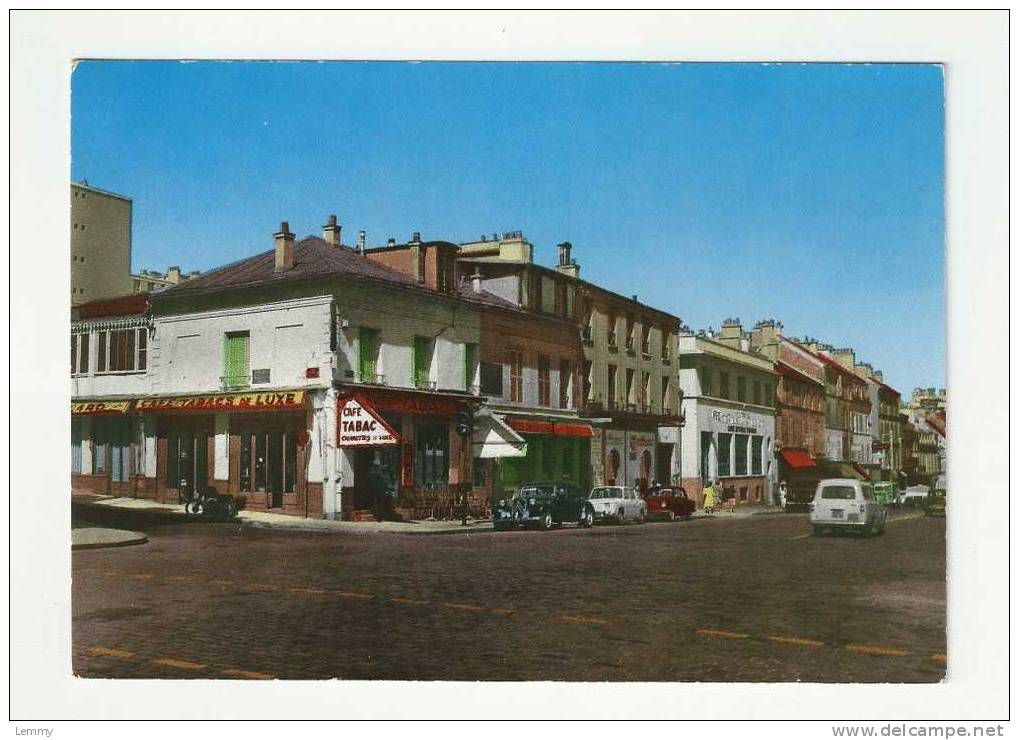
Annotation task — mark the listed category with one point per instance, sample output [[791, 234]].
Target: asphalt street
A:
[[752, 599]]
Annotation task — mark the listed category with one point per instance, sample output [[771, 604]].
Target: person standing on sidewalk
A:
[[710, 497]]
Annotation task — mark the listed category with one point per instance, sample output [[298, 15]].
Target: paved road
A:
[[752, 599]]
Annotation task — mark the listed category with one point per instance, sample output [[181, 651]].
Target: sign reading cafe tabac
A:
[[268, 401], [361, 426]]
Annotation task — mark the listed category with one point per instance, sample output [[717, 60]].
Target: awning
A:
[[267, 401], [100, 407], [797, 458], [559, 429], [493, 438]]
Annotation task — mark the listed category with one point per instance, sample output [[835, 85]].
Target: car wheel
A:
[[621, 516], [671, 516], [588, 519], [546, 522]]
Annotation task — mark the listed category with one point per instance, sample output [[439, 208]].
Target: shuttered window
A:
[[544, 381], [368, 354], [470, 364], [421, 362], [235, 358], [516, 363]]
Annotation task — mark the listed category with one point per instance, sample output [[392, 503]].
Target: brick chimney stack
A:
[[567, 265], [284, 248], [731, 334], [332, 231]]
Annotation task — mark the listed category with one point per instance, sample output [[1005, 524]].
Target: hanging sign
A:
[[361, 426]]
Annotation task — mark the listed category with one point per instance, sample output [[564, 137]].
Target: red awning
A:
[[535, 426], [798, 459]]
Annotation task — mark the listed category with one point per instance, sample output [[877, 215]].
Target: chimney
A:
[[391, 242], [879, 376], [845, 356], [416, 238], [331, 231], [417, 257], [173, 274], [567, 265], [476, 280], [361, 237], [284, 248], [765, 338], [731, 334]]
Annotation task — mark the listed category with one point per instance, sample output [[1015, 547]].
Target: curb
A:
[[137, 538]]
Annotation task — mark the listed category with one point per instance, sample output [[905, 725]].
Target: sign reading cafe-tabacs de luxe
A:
[[361, 426], [268, 401]]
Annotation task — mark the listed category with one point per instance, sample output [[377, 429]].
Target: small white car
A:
[[618, 503], [847, 504]]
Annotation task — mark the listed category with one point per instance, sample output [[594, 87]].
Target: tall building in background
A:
[[147, 281], [100, 244]]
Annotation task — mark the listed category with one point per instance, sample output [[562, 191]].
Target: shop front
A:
[[412, 464], [801, 473], [107, 450], [733, 448], [629, 456], [250, 445], [553, 450]]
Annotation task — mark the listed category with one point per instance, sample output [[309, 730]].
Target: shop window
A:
[[235, 359], [723, 385], [421, 362], [544, 381], [724, 454], [470, 365], [491, 379], [187, 460], [368, 354], [99, 444], [268, 462], [706, 439], [76, 435], [431, 454], [516, 363], [756, 454], [743, 493], [122, 351], [79, 354], [479, 472], [741, 388], [565, 379], [740, 462]]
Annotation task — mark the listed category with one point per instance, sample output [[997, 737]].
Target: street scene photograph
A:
[[490, 371]]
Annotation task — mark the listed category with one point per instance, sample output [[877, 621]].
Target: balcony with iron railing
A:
[[613, 347], [234, 382], [373, 378], [630, 347]]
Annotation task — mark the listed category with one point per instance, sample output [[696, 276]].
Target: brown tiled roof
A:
[[313, 257], [125, 305], [467, 292], [790, 372]]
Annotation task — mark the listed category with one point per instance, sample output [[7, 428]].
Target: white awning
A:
[[493, 437]]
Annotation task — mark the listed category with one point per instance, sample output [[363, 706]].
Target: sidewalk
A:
[[90, 538], [740, 512], [282, 521]]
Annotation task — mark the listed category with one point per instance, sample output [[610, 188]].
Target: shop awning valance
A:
[[561, 429], [100, 407], [494, 438], [797, 459], [266, 401]]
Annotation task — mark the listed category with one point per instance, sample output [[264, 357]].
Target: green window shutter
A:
[[414, 363], [366, 354], [419, 367], [235, 358]]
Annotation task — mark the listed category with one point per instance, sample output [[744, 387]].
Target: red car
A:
[[668, 502]]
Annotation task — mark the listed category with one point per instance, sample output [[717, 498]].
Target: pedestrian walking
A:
[[710, 498], [783, 492]]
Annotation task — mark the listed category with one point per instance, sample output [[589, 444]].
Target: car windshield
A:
[[838, 492], [537, 491], [607, 493], [663, 492]]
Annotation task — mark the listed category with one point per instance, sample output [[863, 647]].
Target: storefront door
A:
[[269, 463], [187, 462]]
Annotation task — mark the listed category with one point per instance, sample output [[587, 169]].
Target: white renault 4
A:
[[847, 504]]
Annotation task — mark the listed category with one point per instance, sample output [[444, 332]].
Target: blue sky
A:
[[808, 193]]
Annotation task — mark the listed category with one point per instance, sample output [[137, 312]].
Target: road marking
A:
[[575, 619], [263, 587], [185, 664], [110, 652], [353, 595], [876, 650], [222, 582], [463, 607], [253, 675], [724, 634], [939, 657], [412, 602], [307, 591], [182, 578], [503, 612], [904, 518], [801, 537], [142, 576], [785, 640]]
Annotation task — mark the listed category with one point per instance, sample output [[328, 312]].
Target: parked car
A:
[[887, 492], [544, 505], [935, 504], [618, 503], [915, 495], [668, 502], [847, 504]]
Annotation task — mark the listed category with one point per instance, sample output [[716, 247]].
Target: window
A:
[[471, 365], [586, 380], [666, 341], [723, 385], [565, 379], [79, 354], [560, 298], [122, 350], [645, 390], [724, 452], [611, 338], [741, 454], [645, 338], [368, 354], [757, 392], [706, 389], [491, 379], [235, 359], [629, 386], [741, 388], [756, 457], [666, 387], [431, 452], [421, 362], [76, 424], [516, 363], [706, 439], [612, 386], [544, 381]]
